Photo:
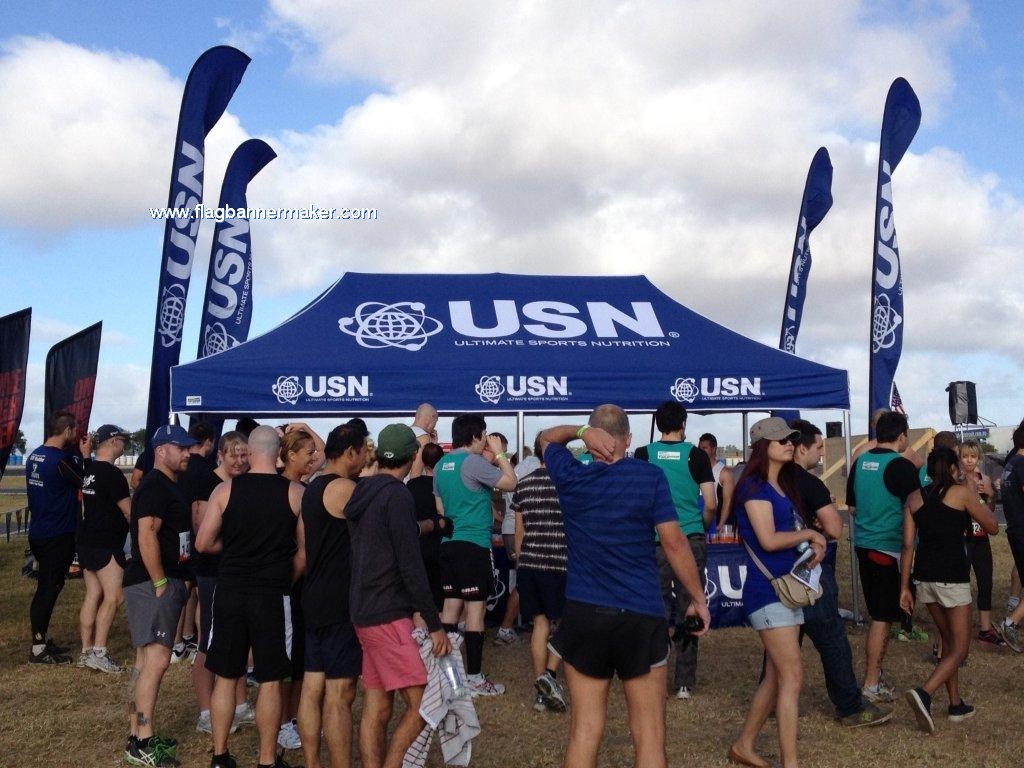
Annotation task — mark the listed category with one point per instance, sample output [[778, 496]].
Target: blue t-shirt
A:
[[757, 592], [52, 500], [609, 512]]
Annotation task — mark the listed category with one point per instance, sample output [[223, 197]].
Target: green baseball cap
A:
[[397, 442]]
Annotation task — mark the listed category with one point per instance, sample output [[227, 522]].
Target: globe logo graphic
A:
[[172, 314], [217, 339], [403, 325], [287, 389], [790, 339], [489, 389], [684, 390], [884, 322]]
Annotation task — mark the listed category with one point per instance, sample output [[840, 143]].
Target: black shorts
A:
[[601, 642], [242, 619], [97, 558], [334, 650], [466, 571], [880, 581], [205, 586], [541, 593]]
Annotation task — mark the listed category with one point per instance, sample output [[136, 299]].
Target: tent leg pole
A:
[[652, 429], [746, 437], [521, 432], [854, 575]]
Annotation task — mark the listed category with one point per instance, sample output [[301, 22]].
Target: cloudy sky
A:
[[668, 138]]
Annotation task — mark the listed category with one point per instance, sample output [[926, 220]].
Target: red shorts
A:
[[391, 658]]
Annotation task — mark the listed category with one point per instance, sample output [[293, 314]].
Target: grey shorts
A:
[[153, 619], [776, 616]]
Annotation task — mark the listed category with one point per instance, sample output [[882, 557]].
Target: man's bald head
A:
[[611, 419], [264, 442], [426, 417]]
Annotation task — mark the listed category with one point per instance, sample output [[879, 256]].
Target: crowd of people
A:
[[313, 568]]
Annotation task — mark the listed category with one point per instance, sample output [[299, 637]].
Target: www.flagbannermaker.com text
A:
[[227, 213]]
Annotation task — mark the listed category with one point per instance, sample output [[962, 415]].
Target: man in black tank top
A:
[[333, 655], [250, 521]]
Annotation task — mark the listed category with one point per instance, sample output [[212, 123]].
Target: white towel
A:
[[453, 718]]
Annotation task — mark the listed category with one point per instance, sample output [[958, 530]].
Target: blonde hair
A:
[[970, 446], [293, 442], [229, 440]]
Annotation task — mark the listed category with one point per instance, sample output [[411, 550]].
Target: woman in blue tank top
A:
[[770, 526]]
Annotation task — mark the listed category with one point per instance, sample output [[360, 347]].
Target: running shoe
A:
[[684, 693], [153, 753], [60, 650], [288, 736], [538, 704], [1011, 603], [47, 656], [900, 634], [479, 685], [224, 761], [507, 637], [1010, 633], [990, 637], [250, 681], [872, 714], [178, 653], [204, 723], [244, 715], [917, 635], [960, 712], [921, 704], [101, 662], [83, 658], [883, 693], [551, 693]]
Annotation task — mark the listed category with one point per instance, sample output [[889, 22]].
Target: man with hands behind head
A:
[[614, 619]]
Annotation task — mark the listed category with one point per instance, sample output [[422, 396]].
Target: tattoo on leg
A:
[[133, 679], [141, 719]]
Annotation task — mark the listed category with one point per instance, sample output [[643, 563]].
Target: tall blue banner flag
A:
[[227, 308], [14, 334], [900, 122], [817, 201], [210, 86]]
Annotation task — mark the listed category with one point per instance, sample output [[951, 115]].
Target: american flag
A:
[[895, 401]]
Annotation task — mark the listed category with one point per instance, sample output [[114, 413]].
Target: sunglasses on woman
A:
[[787, 441]]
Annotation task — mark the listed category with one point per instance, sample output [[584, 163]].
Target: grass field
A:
[[66, 716]]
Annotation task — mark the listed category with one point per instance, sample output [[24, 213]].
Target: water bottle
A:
[[803, 571], [450, 669]]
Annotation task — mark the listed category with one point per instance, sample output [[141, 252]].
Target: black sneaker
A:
[[960, 712], [48, 656], [223, 761], [60, 650], [921, 704]]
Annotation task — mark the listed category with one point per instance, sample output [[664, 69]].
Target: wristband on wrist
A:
[[500, 456], [159, 583], [581, 430]]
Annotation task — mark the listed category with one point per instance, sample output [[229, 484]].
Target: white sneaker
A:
[[244, 715], [101, 662], [288, 736], [178, 653], [205, 725], [83, 659], [507, 637], [684, 693], [1011, 603], [481, 686]]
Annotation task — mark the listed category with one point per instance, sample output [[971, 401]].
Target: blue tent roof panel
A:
[[497, 342]]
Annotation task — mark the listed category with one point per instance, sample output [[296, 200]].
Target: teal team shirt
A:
[[878, 522], [469, 508], [674, 461]]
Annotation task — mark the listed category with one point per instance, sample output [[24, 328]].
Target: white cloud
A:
[[88, 136]]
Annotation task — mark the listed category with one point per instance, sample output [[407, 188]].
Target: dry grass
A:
[[71, 717]]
